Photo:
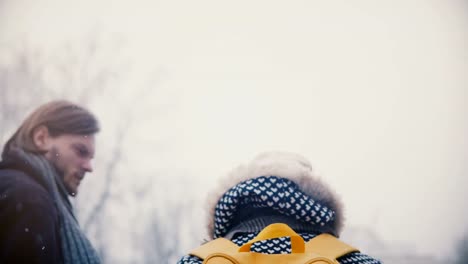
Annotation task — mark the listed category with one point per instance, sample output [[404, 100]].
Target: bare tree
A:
[[88, 73], [30, 76], [21, 87], [165, 232]]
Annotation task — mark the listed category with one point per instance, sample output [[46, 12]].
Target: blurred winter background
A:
[[374, 93]]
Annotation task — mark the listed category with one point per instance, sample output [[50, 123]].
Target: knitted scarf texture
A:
[[279, 195]]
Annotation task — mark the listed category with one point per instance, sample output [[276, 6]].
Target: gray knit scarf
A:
[[76, 248]]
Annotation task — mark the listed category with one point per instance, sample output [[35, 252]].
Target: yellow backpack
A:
[[322, 249]]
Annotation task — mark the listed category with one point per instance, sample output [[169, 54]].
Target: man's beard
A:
[[55, 163]]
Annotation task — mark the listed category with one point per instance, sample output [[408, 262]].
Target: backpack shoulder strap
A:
[[219, 245], [329, 246]]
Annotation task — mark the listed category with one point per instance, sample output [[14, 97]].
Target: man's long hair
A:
[[60, 117]]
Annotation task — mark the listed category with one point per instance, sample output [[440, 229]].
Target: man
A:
[[276, 187], [42, 164]]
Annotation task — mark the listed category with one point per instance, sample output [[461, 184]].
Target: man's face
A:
[[71, 155]]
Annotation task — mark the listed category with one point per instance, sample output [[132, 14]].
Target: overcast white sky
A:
[[373, 92]]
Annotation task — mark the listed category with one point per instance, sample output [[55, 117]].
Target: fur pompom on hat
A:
[[290, 166]]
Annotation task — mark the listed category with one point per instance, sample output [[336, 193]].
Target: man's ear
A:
[[41, 138]]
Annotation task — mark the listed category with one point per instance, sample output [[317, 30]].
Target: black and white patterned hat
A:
[[289, 166]]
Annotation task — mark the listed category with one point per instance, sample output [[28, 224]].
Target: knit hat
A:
[[289, 168]]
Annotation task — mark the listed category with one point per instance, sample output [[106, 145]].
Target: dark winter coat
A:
[[29, 222]]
